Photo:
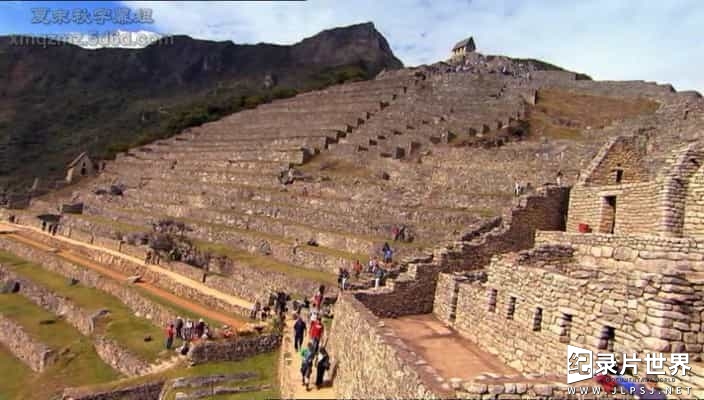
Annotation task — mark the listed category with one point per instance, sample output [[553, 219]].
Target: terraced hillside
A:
[[436, 152]]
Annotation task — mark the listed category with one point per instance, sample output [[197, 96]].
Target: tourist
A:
[[299, 329], [388, 254], [255, 310], [307, 356], [385, 247], [345, 278], [265, 312], [320, 297], [169, 336], [357, 268], [316, 332], [340, 274], [373, 264], [322, 366], [378, 276], [200, 328], [402, 234], [188, 330], [179, 327], [558, 178], [394, 233], [281, 304], [148, 257]]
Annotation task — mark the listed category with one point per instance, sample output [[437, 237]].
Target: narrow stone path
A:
[[171, 298], [290, 372]]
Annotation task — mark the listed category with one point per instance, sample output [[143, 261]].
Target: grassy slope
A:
[[265, 365], [15, 375], [121, 325], [560, 114], [79, 364]]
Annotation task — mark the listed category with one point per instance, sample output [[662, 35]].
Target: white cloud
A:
[[606, 39]]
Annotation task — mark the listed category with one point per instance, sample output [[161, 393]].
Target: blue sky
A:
[[607, 39]]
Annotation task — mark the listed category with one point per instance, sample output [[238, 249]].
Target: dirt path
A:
[[290, 373], [449, 353], [173, 275], [169, 297]]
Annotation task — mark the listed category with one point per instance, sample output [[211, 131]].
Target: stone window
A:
[[511, 307], [492, 301], [607, 338], [619, 175], [538, 319], [565, 328]]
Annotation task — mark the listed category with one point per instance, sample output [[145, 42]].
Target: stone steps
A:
[[294, 156], [321, 106], [203, 146], [325, 260], [136, 163], [204, 143], [272, 227], [319, 258], [322, 215], [251, 277]]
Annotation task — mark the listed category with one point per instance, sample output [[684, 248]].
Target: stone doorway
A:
[[608, 215]]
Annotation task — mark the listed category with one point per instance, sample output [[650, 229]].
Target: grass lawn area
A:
[[122, 325], [265, 365], [178, 310], [257, 261], [15, 374], [78, 365], [254, 260]]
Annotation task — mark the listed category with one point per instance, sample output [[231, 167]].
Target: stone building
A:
[[622, 288], [621, 193], [80, 166], [462, 48]]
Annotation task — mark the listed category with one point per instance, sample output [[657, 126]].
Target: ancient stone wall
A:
[[144, 391], [558, 294], [625, 154], [36, 355], [58, 305], [628, 202], [633, 213], [632, 248], [235, 349], [160, 315], [119, 358], [243, 281], [371, 362], [693, 224], [413, 292]]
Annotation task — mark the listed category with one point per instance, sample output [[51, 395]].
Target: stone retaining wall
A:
[[371, 362], [57, 305], [36, 355], [414, 291], [119, 358], [140, 305], [234, 349], [553, 294], [637, 249], [144, 391]]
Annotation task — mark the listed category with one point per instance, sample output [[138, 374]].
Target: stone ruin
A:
[[632, 285], [437, 149]]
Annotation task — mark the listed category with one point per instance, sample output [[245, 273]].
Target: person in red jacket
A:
[[316, 333], [170, 336]]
